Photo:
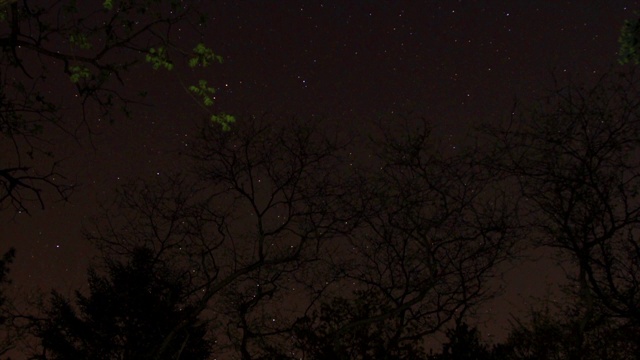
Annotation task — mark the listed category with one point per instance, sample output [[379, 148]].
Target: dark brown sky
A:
[[457, 63]]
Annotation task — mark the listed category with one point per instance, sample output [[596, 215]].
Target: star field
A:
[[455, 63]]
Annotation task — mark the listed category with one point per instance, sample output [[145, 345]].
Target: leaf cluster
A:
[[97, 48]]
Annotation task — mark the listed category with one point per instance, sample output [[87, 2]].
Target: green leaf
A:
[[80, 40], [204, 91], [78, 73], [224, 120], [159, 58], [108, 4], [203, 56]]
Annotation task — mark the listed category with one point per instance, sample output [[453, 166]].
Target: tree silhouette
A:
[[278, 214], [140, 310], [6, 338], [249, 221], [5, 261], [434, 229], [575, 166], [559, 334], [629, 41], [463, 343], [316, 337], [93, 47]]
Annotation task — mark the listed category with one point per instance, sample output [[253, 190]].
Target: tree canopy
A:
[[373, 260], [86, 50], [629, 42], [140, 309]]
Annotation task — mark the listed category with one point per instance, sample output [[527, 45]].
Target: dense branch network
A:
[[87, 51], [273, 212]]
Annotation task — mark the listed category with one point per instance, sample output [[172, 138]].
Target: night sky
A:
[[455, 63]]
